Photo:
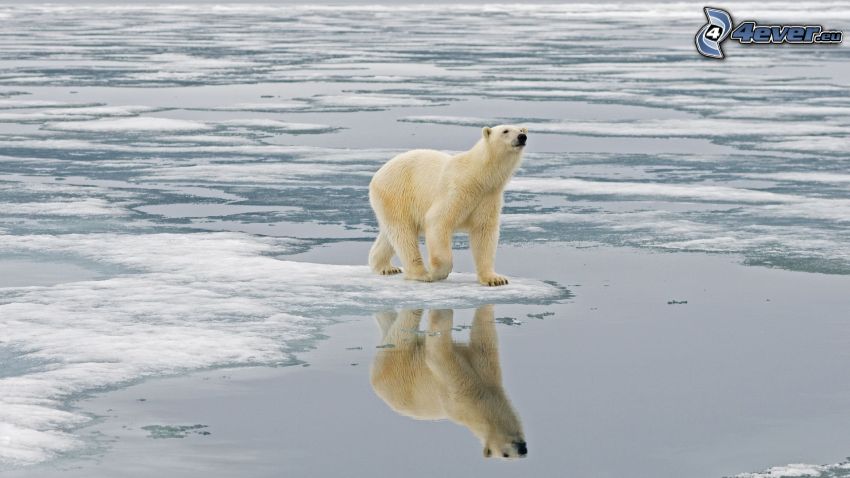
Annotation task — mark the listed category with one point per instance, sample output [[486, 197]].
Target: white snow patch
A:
[[316, 154], [259, 172], [805, 177], [827, 144], [275, 106], [123, 110], [16, 103], [179, 62], [685, 191], [783, 111], [72, 113], [278, 125], [69, 207], [369, 101], [769, 203], [692, 127], [205, 139], [142, 123], [800, 470]]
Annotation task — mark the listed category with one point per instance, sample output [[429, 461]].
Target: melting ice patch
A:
[[186, 301], [278, 106], [795, 111], [805, 176], [205, 139], [787, 204], [143, 124], [369, 101], [275, 173], [797, 470], [687, 191], [23, 104], [23, 196], [180, 62], [43, 111], [70, 207], [693, 127], [803, 232], [766, 135], [280, 126], [821, 144]]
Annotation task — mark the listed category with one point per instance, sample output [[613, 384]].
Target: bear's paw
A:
[[493, 280]]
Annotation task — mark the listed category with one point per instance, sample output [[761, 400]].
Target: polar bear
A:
[[426, 192], [430, 377]]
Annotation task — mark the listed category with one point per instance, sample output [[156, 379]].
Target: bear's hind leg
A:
[[405, 241], [380, 256], [438, 240]]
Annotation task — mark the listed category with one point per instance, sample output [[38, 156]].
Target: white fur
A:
[[426, 192], [431, 377]]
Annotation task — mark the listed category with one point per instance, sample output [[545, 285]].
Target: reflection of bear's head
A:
[[502, 435], [431, 377], [505, 137]]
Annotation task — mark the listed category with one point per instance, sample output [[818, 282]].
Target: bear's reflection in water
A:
[[428, 376]]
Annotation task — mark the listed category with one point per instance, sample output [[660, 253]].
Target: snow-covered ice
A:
[[141, 123], [795, 470]]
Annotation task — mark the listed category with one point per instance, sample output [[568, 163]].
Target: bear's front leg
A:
[[483, 239], [438, 240]]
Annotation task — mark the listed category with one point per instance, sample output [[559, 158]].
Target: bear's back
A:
[[412, 167], [407, 184]]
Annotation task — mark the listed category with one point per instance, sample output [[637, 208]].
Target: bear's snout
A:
[[521, 139]]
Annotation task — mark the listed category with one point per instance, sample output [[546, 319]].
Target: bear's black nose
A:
[[521, 448], [522, 137]]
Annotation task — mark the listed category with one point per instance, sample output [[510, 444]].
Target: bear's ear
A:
[[486, 132]]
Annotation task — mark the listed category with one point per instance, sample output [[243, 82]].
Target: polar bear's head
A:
[[505, 137]]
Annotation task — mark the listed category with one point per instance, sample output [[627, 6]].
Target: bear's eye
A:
[[505, 132]]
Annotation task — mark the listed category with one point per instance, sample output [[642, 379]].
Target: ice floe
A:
[[805, 176], [143, 124], [686, 191], [259, 173], [797, 470], [283, 126], [71, 207], [694, 127], [368, 101]]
